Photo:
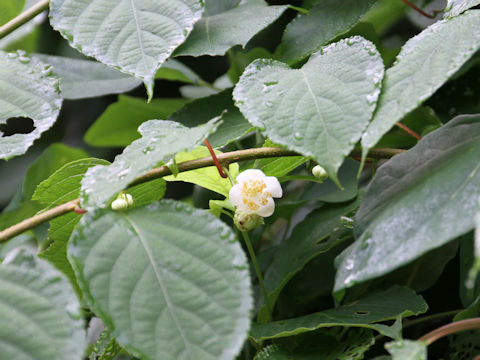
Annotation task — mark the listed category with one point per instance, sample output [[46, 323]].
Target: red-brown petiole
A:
[[79, 210], [420, 11], [409, 131], [215, 160]]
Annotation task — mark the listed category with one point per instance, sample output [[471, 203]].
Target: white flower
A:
[[254, 193]]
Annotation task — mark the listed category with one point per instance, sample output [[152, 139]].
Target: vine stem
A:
[[246, 238], [462, 325], [225, 158], [24, 17]]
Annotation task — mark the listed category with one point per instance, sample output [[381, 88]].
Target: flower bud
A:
[[319, 172], [247, 221], [127, 197], [119, 204]]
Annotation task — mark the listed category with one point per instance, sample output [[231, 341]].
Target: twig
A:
[[226, 158], [23, 18], [463, 325]]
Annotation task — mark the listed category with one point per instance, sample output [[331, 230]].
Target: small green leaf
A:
[[233, 125], [456, 7], [167, 290], [425, 62], [118, 124], [409, 205], [319, 110], [174, 70], [134, 37], [30, 89], [41, 316], [9, 9], [407, 350], [366, 312], [161, 141], [208, 177], [215, 34], [303, 36]]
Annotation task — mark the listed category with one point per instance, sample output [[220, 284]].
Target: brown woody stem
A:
[[225, 158]]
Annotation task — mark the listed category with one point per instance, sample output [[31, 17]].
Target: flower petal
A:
[[273, 186], [235, 195], [250, 174], [267, 209]]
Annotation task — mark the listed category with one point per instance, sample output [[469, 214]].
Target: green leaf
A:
[[30, 89], [85, 79], [174, 70], [64, 184], [54, 157], [118, 124], [319, 110], [167, 290], [41, 316], [456, 7], [213, 7], [407, 350], [303, 36], [215, 34], [144, 194], [135, 37], [309, 239], [425, 62], [233, 125], [208, 177], [322, 345], [409, 205], [9, 9], [377, 307], [161, 141]]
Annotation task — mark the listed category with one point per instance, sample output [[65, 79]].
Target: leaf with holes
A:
[[134, 36], [303, 36], [167, 290], [425, 62], [366, 312], [29, 89], [215, 34], [41, 316], [319, 110], [413, 202], [161, 141]]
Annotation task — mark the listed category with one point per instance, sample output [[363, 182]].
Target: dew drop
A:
[[349, 264], [148, 149], [24, 60], [12, 55], [179, 206], [225, 233], [298, 136], [268, 104]]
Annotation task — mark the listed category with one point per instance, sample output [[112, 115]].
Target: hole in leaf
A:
[[361, 312], [17, 125]]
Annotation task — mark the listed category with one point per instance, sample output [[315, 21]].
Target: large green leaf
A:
[[407, 350], [319, 110], [118, 124], [208, 177], [84, 78], [413, 204], [309, 239], [377, 307], [425, 62], [456, 7], [326, 20], [41, 316], [30, 89], [215, 34], [233, 125], [134, 36], [167, 290], [161, 141]]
